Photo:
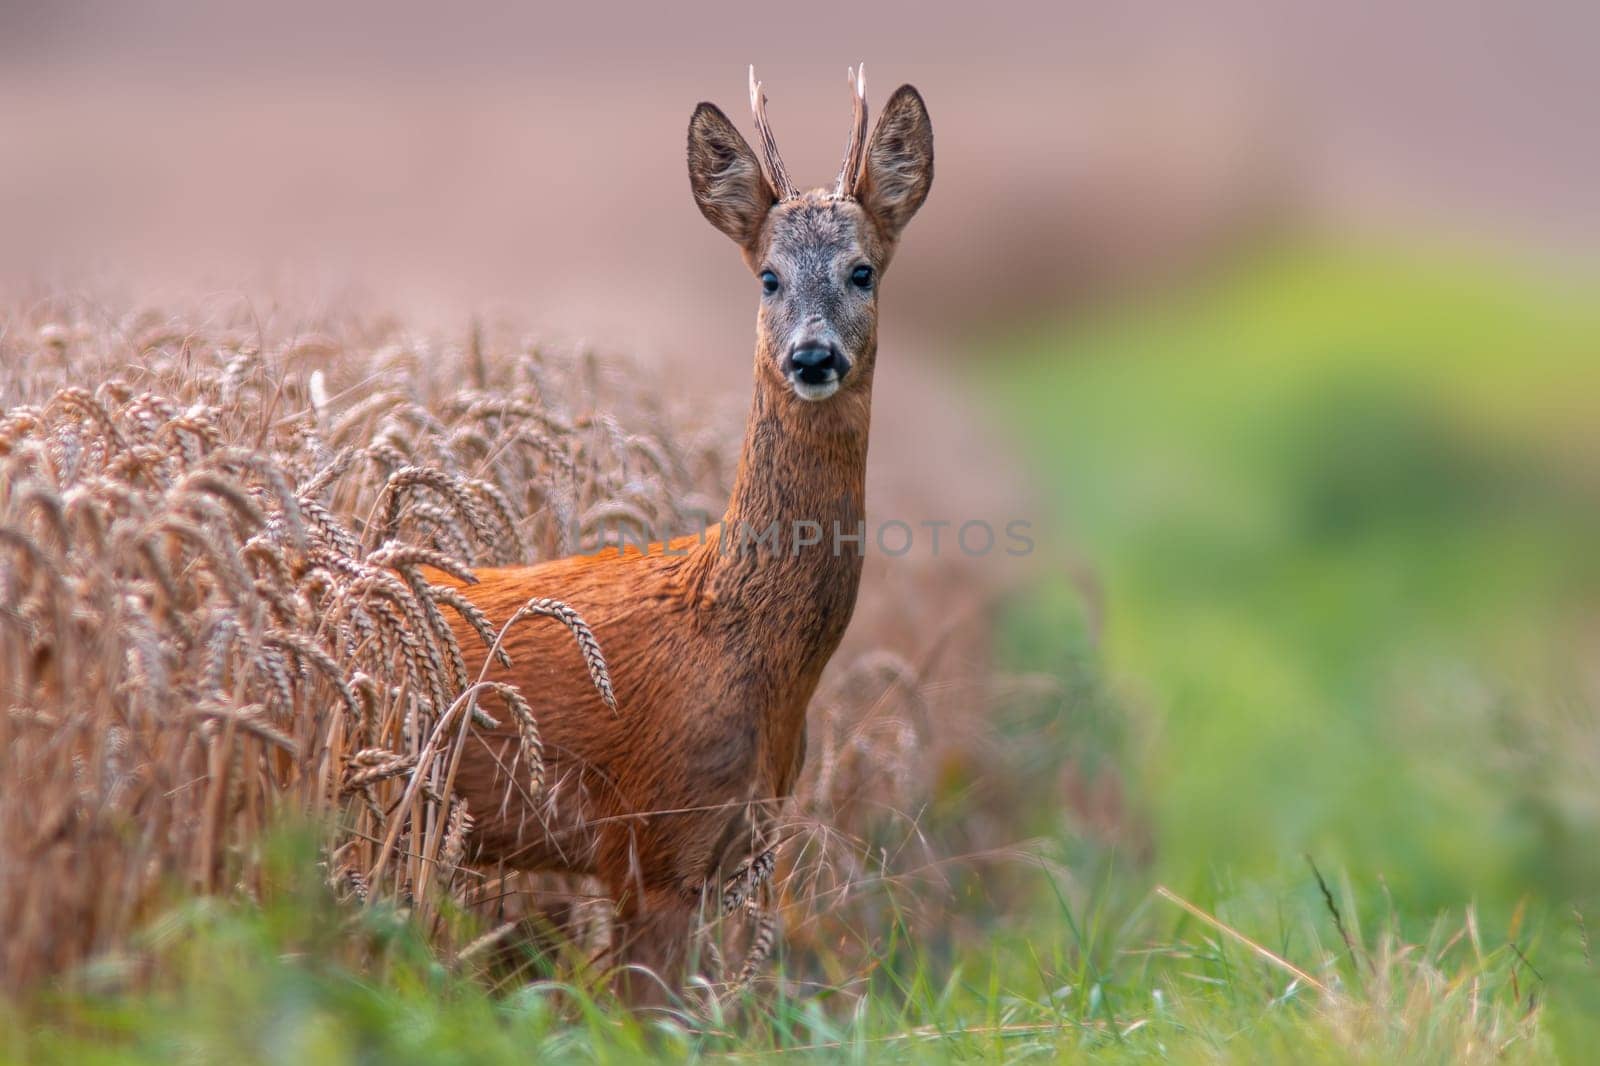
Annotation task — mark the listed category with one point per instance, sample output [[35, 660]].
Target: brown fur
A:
[[715, 645]]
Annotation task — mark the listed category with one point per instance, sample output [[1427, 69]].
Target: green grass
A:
[[1114, 977], [1342, 507]]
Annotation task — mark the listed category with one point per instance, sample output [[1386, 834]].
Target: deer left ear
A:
[[725, 177], [899, 164]]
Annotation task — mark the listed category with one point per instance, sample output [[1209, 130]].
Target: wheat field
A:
[[215, 621], [215, 612]]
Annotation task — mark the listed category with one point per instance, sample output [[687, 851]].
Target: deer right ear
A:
[[726, 178], [899, 164]]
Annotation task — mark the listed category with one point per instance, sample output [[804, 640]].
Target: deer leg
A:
[[650, 946]]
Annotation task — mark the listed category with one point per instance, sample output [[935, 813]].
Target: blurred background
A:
[[1279, 321]]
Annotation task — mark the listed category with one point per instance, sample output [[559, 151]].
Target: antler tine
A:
[[776, 174], [855, 147]]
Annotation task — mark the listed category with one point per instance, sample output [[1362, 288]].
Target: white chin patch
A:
[[814, 392]]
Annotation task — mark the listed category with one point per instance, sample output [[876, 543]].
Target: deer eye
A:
[[769, 282], [861, 277]]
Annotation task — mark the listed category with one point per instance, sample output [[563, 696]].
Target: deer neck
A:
[[782, 608], [802, 473]]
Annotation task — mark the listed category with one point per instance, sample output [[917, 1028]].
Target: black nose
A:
[[817, 365]]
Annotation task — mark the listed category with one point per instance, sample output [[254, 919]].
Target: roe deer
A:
[[715, 643]]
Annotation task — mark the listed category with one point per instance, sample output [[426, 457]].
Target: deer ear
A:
[[899, 165], [725, 176]]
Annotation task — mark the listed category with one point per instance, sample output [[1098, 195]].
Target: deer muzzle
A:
[[816, 369]]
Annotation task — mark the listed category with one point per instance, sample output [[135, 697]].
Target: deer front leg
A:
[[650, 946]]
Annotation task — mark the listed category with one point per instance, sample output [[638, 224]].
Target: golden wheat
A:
[[214, 614]]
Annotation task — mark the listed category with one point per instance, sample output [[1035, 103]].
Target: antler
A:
[[855, 148], [776, 174]]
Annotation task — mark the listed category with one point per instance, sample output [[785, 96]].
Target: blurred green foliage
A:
[[1344, 509]]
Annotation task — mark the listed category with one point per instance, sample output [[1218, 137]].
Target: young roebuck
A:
[[715, 642]]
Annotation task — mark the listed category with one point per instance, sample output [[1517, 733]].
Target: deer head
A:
[[820, 255]]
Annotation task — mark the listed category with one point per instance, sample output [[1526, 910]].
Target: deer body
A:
[[715, 649], [715, 643]]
